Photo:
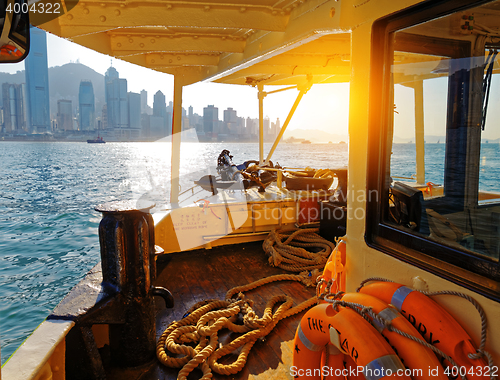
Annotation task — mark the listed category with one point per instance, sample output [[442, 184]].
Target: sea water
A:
[[49, 229]]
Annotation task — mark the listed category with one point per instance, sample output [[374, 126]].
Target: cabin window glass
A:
[[440, 154]]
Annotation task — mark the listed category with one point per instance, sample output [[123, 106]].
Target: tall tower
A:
[[230, 116], [110, 74], [160, 110], [37, 83], [116, 100], [13, 108], [64, 115], [86, 106], [144, 101], [134, 110], [210, 119]]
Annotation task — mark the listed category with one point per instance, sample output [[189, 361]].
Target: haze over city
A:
[[324, 107]]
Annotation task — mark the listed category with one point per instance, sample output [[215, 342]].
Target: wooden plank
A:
[[212, 278], [171, 278]]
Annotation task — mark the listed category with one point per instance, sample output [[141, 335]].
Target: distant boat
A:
[[342, 142], [306, 142], [438, 141], [98, 140]]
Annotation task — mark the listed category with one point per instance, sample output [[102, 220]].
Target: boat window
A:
[[439, 151]]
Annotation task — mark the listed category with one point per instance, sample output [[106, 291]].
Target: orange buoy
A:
[[352, 369], [351, 335], [434, 323], [413, 354], [312, 349], [334, 359]]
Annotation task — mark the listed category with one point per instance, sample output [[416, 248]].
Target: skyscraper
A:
[[144, 101], [117, 101], [110, 74], [191, 115], [230, 116], [13, 108], [160, 110], [64, 115], [134, 110], [37, 83], [210, 119], [104, 117], [230, 124], [86, 104]]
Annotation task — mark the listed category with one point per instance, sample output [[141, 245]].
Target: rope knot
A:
[[387, 324], [366, 309], [478, 354]]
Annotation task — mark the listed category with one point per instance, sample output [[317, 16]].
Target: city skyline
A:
[[323, 107], [124, 116]]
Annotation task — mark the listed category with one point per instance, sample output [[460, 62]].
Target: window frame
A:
[[476, 273]]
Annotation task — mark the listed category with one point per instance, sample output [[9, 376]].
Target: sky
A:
[[324, 107]]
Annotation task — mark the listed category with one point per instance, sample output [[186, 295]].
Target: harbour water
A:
[[48, 226]]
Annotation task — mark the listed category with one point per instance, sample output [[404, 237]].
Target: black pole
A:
[[126, 235]]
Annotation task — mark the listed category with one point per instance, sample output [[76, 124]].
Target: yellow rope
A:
[[205, 319], [286, 249]]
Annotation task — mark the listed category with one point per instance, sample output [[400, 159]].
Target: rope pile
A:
[[286, 249], [194, 339]]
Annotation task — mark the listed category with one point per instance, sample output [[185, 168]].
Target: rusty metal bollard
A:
[[126, 236]]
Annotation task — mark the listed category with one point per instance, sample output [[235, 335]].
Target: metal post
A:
[[126, 235], [176, 140], [289, 117], [262, 95], [419, 130]]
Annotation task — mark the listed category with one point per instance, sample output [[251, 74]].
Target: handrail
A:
[[41, 355]]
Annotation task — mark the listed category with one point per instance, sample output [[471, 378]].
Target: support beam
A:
[[123, 45], [176, 140], [159, 61], [93, 15], [419, 130], [283, 75], [99, 42], [262, 95], [175, 60], [287, 121]]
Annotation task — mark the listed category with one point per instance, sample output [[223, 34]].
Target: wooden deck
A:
[[204, 274]]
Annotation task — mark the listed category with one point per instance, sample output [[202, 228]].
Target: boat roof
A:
[[280, 42], [246, 42]]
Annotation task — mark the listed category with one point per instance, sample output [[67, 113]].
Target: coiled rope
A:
[[286, 249], [200, 327], [480, 352]]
